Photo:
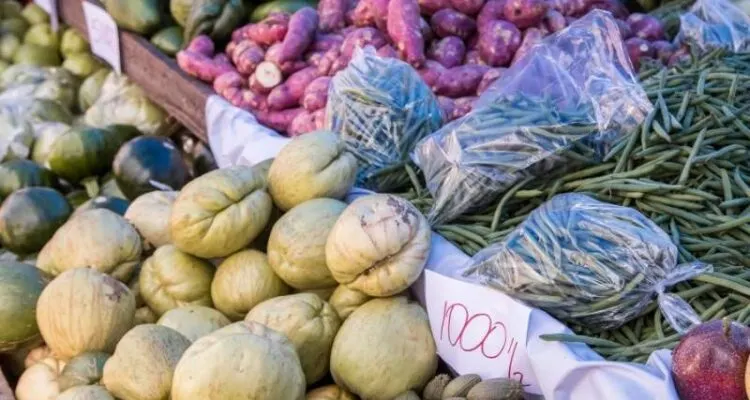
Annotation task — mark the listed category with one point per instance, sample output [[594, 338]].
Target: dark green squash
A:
[[30, 216], [20, 287], [85, 152], [114, 204], [77, 197], [149, 163], [18, 174]]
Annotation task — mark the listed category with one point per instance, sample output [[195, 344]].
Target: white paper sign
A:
[[103, 35], [50, 6], [477, 330]]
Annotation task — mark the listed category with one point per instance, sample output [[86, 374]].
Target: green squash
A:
[[16, 26], [18, 174], [72, 42], [20, 287], [84, 152], [91, 88], [31, 54], [215, 18], [140, 16], [114, 204], [29, 217], [168, 40], [9, 44], [180, 10], [82, 65], [84, 369], [286, 6], [149, 163], [10, 9], [33, 14], [42, 35]]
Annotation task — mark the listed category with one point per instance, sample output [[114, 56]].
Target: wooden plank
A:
[[182, 96], [6, 393]]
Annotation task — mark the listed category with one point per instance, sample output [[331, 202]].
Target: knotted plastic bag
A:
[[567, 101], [714, 24], [589, 263]]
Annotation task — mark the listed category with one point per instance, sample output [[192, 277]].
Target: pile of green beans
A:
[[687, 168]]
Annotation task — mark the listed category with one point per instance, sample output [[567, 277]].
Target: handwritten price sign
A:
[[479, 330], [103, 35], [50, 6]]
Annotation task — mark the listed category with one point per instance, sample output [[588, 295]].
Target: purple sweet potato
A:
[[360, 38], [460, 81], [201, 44], [498, 43], [325, 42], [226, 81], [273, 54], [403, 29], [531, 37], [468, 7], [315, 96], [234, 96], [492, 11], [577, 8], [427, 34], [288, 94], [473, 57], [615, 7], [554, 21], [325, 65], [489, 78], [525, 13], [266, 77], [201, 66], [429, 7], [624, 27], [448, 51], [299, 36], [638, 49], [247, 55], [471, 43], [270, 30], [332, 14], [303, 123], [254, 101], [387, 51], [279, 121], [371, 13], [663, 50], [448, 22], [462, 106], [431, 71], [561, 6], [646, 27], [446, 106], [231, 46]]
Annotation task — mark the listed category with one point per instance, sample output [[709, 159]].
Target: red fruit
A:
[[525, 13], [709, 362]]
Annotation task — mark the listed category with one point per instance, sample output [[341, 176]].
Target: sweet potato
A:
[[427, 34], [462, 106], [231, 46], [372, 13], [446, 106], [247, 55], [273, 54], [577, 8], [492, 11], [325, 42], [448, 51], [449, 22], [266, 77], [254, 101], [525, 13], [531, 37], [201, 44], [403, 29], [554, 21], [460, 81], [315, 96], [498, 43], [234, 96], [429, 7], [360, 38], [561, 6], [473, 57], [431, 72], [289, 93], [303, 123], [223, 61], [325, 64], [387, 51], [270, 30], [227, 81], [279, 121], [468, 7], [332, 14], [201, 66], [489, 78], [646, 27], [319, 117], [300, 34]]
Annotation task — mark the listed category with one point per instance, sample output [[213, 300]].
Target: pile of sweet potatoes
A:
[[280, 68]]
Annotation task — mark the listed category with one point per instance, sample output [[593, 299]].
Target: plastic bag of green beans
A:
[[381, 107], [589, 263], [566, 101], [714, 24]]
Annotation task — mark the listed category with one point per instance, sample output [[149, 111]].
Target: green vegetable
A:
[[18, 174], [15, 26], [72, 42], [10, 9], [9, 44], [29, 217], [168, 40], [44, 110], [140, 16], [20, 288], [33, 14], [215, 18], [42, 35], [149, 163], [77, 197], [288, 6], [83, 369], [180, 10], [32, 54], [85, 152], [82, 65], [108, 187], [90, 88], [113, 204], [46, 133]]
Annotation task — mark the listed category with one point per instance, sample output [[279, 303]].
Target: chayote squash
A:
[[34, 15], [168, 40], [32, 54], [39, 381], [89, 392], [149, 213], [215, 18], [16, 26], [9, 45], [90, 88], [20, 288], [149, 163], [82, 65], [18, 174], [140, 16], [10, 9], [42, 35], [29, 217], [72, 43], [193, 322], [180, 10], [83, 369]]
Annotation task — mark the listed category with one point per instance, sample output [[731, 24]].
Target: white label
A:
[[479, 330], [103, 35], [50, 6]]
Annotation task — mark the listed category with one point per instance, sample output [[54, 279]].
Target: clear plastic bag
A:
[[590, 263], [26, 81], [567, 101], [17, 119], [381, 107], [714, 24]]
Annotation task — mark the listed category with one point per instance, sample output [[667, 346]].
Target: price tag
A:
[[103, 35], [50, 6]]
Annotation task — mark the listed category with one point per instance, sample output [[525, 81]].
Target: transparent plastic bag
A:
[[714, 24], [17, 120], [24, 81], [567, 101], [381, 107], [591, 263]]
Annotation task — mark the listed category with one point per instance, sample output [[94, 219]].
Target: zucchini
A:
[[114, 204], [288, 6], [18, 174], [30, 216], [149, 163]]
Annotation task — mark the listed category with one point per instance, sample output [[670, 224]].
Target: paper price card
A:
[[50, 6], [479, 330], [103, 35]]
